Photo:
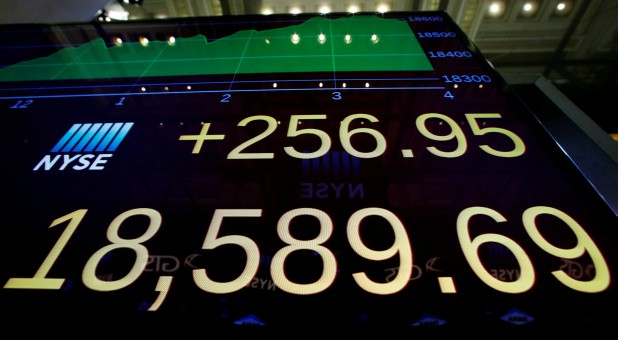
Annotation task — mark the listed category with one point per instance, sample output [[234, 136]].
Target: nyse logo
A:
[[85, 147]]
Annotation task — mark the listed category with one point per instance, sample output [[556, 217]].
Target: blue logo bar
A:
[[97, 137]]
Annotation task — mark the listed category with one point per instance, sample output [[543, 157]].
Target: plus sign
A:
[[199, 139]]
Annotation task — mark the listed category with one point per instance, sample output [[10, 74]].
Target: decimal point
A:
[[447, 285], [407, 153]]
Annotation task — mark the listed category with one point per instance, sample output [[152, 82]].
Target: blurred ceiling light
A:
[[324, 9], [295, 10], [115, 11], [267, 11], [530, 8], [382, 8], [353, 9], [495, 9], [563, 8]]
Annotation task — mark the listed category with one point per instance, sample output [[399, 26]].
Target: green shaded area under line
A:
[[358, 43]]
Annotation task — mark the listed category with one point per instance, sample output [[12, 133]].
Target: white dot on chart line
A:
[[407, 153]]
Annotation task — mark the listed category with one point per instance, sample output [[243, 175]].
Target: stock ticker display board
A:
[[287, 173]]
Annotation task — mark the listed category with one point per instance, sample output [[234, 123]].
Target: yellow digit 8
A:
[[401, 246], [141, 252], [470, 249], [456, 133], [330, 263], [584, 244]]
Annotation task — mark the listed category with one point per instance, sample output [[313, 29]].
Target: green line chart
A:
[[319, 44]]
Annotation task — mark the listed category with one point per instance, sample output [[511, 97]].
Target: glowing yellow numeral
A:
[[212, 241], [141, 252], [39, 281], [584, 244], [345, 134], [401, 246], [270, 128], [294, 131], [519, 146], [470, 249], [456, 133], [329, 270]]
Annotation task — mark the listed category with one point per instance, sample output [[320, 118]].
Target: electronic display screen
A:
[[287, 174]]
